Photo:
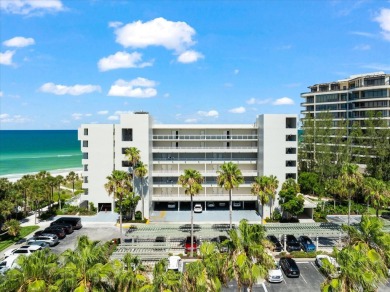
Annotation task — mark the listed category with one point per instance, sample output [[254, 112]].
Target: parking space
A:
[[309, 280]]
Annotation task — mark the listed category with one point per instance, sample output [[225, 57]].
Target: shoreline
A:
[[64, 172]]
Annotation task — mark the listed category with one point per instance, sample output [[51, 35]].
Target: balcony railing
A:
[[204, 137], [205, 159], [200, 147]]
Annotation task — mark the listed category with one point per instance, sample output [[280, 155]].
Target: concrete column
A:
[[284, 239], [317, 243]]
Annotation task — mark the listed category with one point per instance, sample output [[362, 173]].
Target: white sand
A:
[[63, 172]]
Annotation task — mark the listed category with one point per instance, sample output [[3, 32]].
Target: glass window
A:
[[86, 132], [85, 155], [291, 175], [291, 123], [85, 143], [127, 134], [85, 167]]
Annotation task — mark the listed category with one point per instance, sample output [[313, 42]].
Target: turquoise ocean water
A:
[[27, 151]]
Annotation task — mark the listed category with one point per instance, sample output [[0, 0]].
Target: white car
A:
[[210, 204], [25, 250], [175, 263], [320, 261], [198, 208], [275, 275], [237, 204], [8, 263]]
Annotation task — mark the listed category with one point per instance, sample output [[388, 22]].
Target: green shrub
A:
[[138, 215], [276, 215]]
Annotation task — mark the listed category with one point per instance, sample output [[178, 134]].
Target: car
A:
[[289, 267], [187, 245], [210, 204], [51, 239], [42, 244], [222, 243], [175, 264], [171, 205], [306, 243], [275, 274], [237, 204], [222, 204], [328, 265], [198, 208], [53, 230], [292, 244], [8, 263], [277, 245], [385, 215], [160, 243], [23, 250], [68, 228], [74, 221]]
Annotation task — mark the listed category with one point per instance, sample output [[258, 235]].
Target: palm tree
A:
[[71, 178], [191, 181], [24, 184], [165, 280], [59, 180], [119, 185], [52, 182], [377, 192], [229, 177], [350, 180], [141, 171], [265, 187], [133, 156]]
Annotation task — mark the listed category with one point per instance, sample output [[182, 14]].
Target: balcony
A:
[[176, 173], [203, 149], [203, 137]]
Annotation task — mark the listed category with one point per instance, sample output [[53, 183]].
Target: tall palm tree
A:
[[24, 185], [264, 187], [350, 180], [72, 177], [141, 171], [191, 181], [164, 280], [229, 177], [133, 156], [377, 192], [118, 185], [59, 180], [52, 182]]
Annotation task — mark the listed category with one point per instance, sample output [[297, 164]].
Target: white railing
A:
[[204, 137], [200, 147]]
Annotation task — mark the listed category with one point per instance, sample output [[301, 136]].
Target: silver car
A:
[[51, 239]]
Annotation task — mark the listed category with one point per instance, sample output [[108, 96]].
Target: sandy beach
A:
[[63, 172]]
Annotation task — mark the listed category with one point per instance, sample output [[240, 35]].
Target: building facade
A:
[[267, 147], [351, 99]]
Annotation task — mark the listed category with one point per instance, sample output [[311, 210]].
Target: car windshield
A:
[[21, 251], [307, 241]]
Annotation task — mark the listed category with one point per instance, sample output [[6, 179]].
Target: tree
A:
[[377, 192], [24, 185], [59, 180], [130, 202], [72, 177], [165, 280], [350, 180], [309, 183], [249, 258], [52, 182], [265, 187], [118, 185], [12, 226], [290, 199], [141, 171], [229, 177], [191, 181]]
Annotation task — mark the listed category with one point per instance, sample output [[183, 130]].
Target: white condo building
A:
[[266, 147]]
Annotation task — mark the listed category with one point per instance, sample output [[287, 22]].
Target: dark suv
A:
[[289, 267], [292, 244], [277, 245]]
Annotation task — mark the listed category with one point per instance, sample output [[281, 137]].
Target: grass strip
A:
[[6, 240]]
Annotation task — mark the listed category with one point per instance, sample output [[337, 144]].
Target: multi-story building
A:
[[267, 147], [351, 99]]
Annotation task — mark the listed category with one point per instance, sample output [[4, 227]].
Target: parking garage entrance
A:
[[103, 207], [206, 206]]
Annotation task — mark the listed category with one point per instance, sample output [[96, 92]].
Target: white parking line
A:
[[318, 270], [265, 289], [303, 278]]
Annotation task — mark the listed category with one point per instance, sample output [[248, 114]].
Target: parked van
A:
[[74, 221]]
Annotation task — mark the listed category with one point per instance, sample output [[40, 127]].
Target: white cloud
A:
[[77, 89], [363, 33], [113, 118], [212, 113], [190, 120], [189, 57], [88, 115], [77, 116], [384, 21], [377, 67], [122, 60], [237, 110], [19, 42], [115, 24], [1, 94], [283, 101], [102, 112], [117, 113], [236, 71], [31, 6], [362, 47], [171, 35], [6, 57], [258, 101], [16, 119], [138, 88]]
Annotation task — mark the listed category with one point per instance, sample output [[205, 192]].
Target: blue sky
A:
[[66, 63]]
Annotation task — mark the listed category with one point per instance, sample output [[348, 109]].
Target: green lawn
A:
[[6, 241]]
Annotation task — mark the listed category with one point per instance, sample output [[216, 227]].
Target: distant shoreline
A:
[[64, 172]]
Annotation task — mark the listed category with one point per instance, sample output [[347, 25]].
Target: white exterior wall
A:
[[272, 149]]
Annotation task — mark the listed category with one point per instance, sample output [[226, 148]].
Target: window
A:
[[85, 132], [291, 150], [86, 179], [85, 155], [85, 167], [291, 137], [124, 150], [177, 144], [125, 163], [85, 143], [291, 175], [127, 134], [291, 163], [291, 123], [85, 191]]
